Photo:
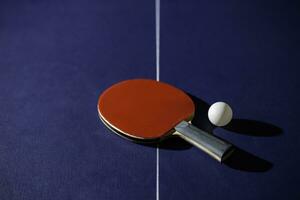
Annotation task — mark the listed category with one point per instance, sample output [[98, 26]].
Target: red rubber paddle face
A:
[[144, 109]]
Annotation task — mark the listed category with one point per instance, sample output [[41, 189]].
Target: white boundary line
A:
[[157, 42]]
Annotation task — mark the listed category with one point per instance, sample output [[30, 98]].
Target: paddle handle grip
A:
[[212, 145]]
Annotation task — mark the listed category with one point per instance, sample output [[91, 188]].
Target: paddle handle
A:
[[212, 145]]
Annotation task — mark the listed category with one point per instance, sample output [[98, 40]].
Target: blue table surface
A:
[[56, 57]]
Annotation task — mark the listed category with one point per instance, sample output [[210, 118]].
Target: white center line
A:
[[157, 34]]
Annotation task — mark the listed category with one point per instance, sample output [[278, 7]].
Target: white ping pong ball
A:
[[220, 114]]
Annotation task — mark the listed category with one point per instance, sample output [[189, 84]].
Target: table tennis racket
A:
[[146, 110]]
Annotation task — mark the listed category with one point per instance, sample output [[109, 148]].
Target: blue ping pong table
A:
[[56, 57]]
